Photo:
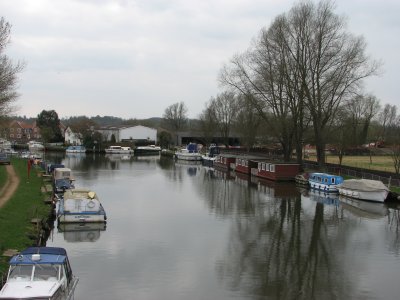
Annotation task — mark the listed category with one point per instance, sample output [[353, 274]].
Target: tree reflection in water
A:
[[277, 248]]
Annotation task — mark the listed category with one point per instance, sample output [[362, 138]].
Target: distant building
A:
[[135, 134], [21, 132], [71, 138]]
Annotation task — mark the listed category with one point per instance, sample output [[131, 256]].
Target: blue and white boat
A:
[[80, 205], [76, 149], [325, 182], [40, 273]]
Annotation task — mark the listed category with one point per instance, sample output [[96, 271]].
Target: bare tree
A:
[[8, 72], [360, 111], [334, 67], [225, 107], [175, 117], [208, 123], [248, 121], [387, 119]]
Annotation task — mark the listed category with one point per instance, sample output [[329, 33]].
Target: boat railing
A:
[[69, 292]]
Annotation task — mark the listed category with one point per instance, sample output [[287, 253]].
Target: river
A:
[[178, 231]]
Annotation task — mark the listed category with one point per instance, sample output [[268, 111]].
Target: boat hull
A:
[[323, 187], [81, 218], [374, 196], [189, 156]]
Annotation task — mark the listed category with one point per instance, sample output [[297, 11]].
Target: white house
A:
[[71, 138], [134, 133]]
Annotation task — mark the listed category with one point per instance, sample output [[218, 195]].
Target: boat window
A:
[[319, 179], [272, 168], [333, 180], [21, 272], [326, 180], [46, 272]]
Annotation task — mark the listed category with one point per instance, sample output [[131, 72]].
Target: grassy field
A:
[[381, 163], [15, 216]]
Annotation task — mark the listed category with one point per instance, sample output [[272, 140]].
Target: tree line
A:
[[300, 81]]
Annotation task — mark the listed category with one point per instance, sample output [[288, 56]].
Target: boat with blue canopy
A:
[[40, 273]]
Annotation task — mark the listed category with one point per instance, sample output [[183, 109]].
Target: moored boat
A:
[[190, 153], [147, 150], [80, 205], [364, 189], [302, 179], [62, 179], [35, 146], [76, 149], [40, 273], [118, 150], [210, 156], [324, 182]]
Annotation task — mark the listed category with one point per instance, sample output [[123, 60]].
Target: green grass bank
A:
[[16, 230]]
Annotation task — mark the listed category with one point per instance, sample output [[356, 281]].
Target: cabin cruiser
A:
[[118, 150], [190, 153], [35, 146], [39, 273], [80, 205]]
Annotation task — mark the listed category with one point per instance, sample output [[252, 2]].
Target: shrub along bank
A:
[[16, 228]]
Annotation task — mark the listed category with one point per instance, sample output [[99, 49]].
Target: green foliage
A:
[[165, 139], [49, 125]]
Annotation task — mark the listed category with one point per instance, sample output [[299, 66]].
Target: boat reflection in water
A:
[[364, 209], [320, 197], [81, 232], [119, 157]]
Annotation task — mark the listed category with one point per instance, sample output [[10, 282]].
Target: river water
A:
[[178, 231]]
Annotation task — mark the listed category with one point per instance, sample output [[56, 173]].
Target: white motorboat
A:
[[40, 273], [147, 150], [80, 205], [190, 153], [364, 189], [119, 150], [35, 146]]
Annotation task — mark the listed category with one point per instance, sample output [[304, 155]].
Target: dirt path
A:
[[10, 186]]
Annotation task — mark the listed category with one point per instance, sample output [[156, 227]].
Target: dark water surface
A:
[[179, 231]]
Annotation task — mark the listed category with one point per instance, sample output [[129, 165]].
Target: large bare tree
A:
[[305, 65], [334, 65], [8, 72]]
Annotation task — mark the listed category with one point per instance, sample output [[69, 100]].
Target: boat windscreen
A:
[[20, 272]]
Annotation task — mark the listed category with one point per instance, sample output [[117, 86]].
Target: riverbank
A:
[[24, 206]]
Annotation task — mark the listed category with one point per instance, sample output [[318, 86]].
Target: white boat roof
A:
[[80, 194], [365, 185], [29, 289]]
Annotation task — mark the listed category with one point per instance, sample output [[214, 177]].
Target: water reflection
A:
[[81, 232], [182, 231]]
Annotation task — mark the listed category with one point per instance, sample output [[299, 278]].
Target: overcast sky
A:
[[132, 59]]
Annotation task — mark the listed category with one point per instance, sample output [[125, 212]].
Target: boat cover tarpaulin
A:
[[365, 185]]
